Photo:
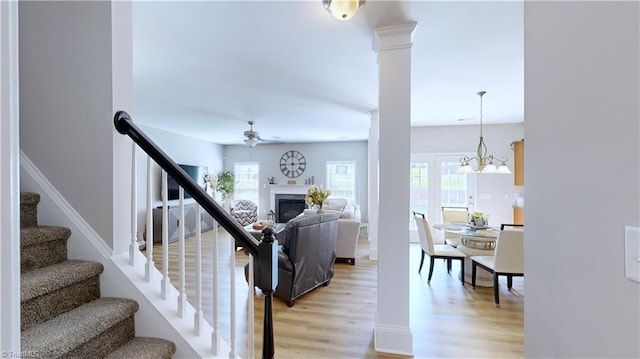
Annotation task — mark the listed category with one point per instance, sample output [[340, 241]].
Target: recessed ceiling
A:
[[203, 69]]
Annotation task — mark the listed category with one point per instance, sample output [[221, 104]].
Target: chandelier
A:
[[343, 9], [484, 162]]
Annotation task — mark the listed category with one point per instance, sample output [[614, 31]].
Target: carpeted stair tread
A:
[[42, 246], [29, 198], [50, 291], [29, 209], [72, 329], [145, 348], [48, 279], [35, 235]]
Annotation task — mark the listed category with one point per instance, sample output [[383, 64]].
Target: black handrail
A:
[[265, 251]]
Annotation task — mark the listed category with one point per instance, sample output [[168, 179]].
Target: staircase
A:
[[63, 314]]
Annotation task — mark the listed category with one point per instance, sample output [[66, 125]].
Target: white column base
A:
[[393, 339], [373, 252]]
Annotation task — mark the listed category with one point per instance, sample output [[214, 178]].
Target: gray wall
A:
[[67, 105], [316, 155], [183, 150], [582, 177]]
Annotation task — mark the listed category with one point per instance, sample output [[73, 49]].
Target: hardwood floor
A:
[[448, 320]]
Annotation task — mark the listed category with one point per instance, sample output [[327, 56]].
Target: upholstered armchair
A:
[[244, 211], [306, 257], [348, 227]]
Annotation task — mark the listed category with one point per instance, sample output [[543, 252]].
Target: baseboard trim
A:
[[46, 188], [393, 339]]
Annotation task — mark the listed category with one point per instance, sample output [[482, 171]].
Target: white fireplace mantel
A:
[[285, 189]]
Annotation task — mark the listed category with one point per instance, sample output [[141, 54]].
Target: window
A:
[[454, 191], [435, 183], [419, 196], [246, 178], [341, 179]]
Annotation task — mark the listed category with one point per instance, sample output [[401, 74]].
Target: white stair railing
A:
[[149, 265], [133, 246], [166, 281], [216, 335], [181, 284], [232, 292], [265, 251], [198, 316], [182, 297]]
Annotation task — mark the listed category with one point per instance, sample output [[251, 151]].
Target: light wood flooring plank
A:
[[448, 320]]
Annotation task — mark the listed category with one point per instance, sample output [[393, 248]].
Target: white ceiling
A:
[[203, 69]]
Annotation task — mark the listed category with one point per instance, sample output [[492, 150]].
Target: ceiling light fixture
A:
[[343, 9], [484, 162], [252, 138], [251, 142]]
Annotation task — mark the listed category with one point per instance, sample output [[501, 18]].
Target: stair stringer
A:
[[155, 317]]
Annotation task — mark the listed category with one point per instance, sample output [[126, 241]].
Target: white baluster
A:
[[150, 265], [166, 282], [133, 247], [232, 279], [197, 316], [250, 312], [182, 297], [215, 334]]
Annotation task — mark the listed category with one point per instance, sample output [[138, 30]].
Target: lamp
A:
[[343, 9], [251, 142], [484, 162]]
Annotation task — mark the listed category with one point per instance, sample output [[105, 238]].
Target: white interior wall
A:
[[491, 189], [316, 154], [582, 178]]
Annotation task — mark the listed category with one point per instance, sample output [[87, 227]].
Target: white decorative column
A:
[[9, 180], [372, 226], [392, 333]]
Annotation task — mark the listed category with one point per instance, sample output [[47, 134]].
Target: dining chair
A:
[[437, 251], [454, 215], [507, 260], [511, 225]]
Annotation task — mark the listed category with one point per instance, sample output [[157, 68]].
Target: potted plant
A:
[[478, 219], [226, 184]]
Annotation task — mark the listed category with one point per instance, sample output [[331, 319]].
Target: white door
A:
[[435, 183]]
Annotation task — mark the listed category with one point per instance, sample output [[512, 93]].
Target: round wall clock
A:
[[292, 164]]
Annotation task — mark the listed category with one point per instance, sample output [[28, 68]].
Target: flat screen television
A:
[[197, 173]]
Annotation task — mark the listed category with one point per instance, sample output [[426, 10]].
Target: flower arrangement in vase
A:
[[210, 182], [316, 196], [478, 220]]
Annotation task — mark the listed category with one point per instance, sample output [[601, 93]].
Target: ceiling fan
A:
[[251, 137]]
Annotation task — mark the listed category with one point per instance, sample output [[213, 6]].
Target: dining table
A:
[[473, 242]]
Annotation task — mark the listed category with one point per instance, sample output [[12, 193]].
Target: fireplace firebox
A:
[[288, 206]]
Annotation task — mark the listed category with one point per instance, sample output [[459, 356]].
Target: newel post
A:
[[267, 282]]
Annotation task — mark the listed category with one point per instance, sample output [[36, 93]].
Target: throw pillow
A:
[[349, 212], [333, 207], [331, 211]]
